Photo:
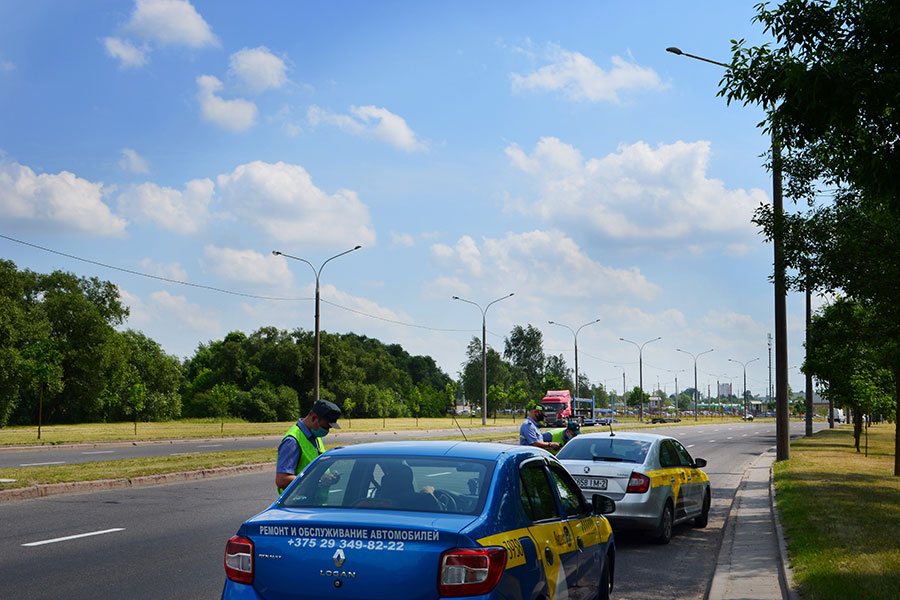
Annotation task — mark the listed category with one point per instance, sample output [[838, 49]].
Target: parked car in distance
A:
[[653, 479], [424, 520], [747, 417]]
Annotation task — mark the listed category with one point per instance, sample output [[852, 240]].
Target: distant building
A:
[[725, 389]]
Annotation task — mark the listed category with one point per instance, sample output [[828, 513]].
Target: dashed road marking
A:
[[42, 464], [73, 537], [100, 452]]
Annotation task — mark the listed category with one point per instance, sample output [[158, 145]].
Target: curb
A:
[[786, 575], [53, 489]]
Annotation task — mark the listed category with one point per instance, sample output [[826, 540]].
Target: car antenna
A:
[[453, 414], [611, 432]]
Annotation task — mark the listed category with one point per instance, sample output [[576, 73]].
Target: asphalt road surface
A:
[[167, 541], [82, 453]]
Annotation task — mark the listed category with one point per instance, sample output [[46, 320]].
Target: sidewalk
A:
[[752, 563]]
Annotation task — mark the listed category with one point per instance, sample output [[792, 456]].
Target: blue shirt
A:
[[289, 451], [529, 432]]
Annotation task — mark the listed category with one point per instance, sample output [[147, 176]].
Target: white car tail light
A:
[[470, 571], [239, 559]]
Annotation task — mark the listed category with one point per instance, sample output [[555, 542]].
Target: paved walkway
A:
[[752, 562]]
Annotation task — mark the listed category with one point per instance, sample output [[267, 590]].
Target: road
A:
[[167, 541], [82, 453]]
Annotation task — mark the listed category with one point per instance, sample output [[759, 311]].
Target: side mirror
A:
[[699, 463], [601, 505]]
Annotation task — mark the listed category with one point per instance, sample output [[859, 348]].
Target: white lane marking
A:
[[691, 445], [100, 452], [42, 464], [209, 446], [182, 453], [73, 537], [744, 435], [730, 438], [711, 441]]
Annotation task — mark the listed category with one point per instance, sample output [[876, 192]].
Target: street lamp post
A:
[[640, 371], [696, 391], [623, 390], [676, 372], [782, 424], [483, 350], [744, 393], [575, 333], [317, 274]]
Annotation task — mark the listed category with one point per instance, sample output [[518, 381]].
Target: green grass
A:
[[841, 515]]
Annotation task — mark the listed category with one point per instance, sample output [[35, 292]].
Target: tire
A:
[[703, 518], [605, 580], [666, 523]]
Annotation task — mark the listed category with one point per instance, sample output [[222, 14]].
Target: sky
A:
[[553, 151]]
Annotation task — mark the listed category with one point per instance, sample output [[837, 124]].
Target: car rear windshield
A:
[[429, 484], [610, 449]]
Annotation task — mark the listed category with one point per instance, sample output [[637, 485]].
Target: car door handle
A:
[[580, 543], [548, 554], [673, 480]]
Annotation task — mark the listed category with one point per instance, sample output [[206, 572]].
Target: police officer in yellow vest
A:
[[303, 443]]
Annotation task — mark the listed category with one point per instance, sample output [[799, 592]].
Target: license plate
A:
[[591, 483]]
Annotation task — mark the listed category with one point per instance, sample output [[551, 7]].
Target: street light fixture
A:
[[782, 424], [676, 372], [744, 394], [696, 391], [624, 406], [640, 371], [483, 350], [317, 274], [575, 333]]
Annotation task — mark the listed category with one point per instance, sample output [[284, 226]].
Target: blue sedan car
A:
[[426, 520]]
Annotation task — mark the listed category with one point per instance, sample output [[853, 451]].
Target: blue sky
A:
[[551, 150]]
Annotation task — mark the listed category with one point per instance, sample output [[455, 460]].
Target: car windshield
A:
[[431, 484], [553, 407], [611, 449]]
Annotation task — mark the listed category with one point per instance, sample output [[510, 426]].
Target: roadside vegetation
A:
[[841, 514]]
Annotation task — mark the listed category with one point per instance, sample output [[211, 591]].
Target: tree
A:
[[472, 376], [830, 88], [556, 366], [524, 349]]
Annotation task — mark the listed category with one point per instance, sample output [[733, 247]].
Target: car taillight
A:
[[470, 571], [638, 484], [239, 559]]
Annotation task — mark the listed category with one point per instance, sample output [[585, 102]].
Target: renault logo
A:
[[339, 558]]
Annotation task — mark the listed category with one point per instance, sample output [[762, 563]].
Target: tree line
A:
[[829, 85], [64, 359]]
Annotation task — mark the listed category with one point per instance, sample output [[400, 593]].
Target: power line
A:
[[224, 291]]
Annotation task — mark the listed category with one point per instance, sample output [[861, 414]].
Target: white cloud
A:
[[247, 266], [168, 270], [170, 22], [542, 260], [234, 115], [372, 121], [127, 53], [62, 200], [403, 239], [179, 211], [7, 66], [579, 78], [725, 322], [258, 68], [281, 201], [443, 288], [134, 162], [178, 311], [638, 194]]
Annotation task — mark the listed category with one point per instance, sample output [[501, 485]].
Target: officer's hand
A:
[[555, 445], [329, 479]]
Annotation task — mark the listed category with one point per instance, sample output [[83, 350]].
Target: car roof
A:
[[628, 435], [449, 448]]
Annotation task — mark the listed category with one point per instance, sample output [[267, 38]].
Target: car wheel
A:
[[664, 529], [605, 581], [703, 518]]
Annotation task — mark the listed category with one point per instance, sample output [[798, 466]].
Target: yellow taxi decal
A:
[[664, 477], [515, 554]]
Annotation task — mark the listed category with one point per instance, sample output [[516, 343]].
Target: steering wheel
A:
[[448, 503]]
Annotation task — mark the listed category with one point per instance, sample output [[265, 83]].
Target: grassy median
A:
[[841, 514]]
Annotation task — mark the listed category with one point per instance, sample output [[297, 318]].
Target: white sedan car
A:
[[652, 478]]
